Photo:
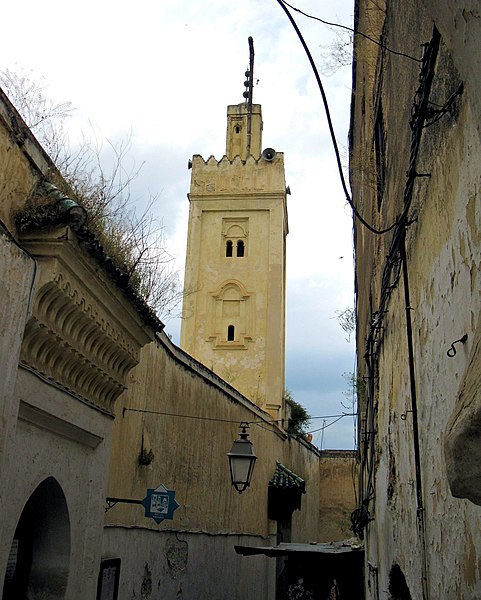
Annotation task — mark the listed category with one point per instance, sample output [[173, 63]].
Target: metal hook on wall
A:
[[452, 350]]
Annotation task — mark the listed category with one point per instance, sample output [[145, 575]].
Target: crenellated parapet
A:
[[237, 177], [83, 333]]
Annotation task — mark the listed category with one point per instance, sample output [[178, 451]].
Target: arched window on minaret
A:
[[228, 248], [240, 248], [230, 333]]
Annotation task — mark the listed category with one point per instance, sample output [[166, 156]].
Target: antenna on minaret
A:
[[248, 84]]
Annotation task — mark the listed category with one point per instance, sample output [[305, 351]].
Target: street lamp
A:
[[242, 460]]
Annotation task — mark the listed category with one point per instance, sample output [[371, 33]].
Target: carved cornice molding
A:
[[82, 332]]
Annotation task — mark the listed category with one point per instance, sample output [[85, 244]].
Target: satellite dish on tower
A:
[[269, 154]]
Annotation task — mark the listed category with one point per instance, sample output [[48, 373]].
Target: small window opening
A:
[[228, 248], [240, 248], [237, 129], [230, 333]]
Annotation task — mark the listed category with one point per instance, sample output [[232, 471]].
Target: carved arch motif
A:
[[233, 316], [235, 233]]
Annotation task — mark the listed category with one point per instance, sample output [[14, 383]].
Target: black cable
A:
[[168, 414], [331, 128], [329, 424], [355, 31], [440, 112]]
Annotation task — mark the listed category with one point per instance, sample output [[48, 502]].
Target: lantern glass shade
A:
[[241, 461]]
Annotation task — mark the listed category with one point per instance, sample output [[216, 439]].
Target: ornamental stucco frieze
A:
[[82, 332]]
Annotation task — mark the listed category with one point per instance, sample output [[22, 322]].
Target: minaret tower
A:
[[234, 308]]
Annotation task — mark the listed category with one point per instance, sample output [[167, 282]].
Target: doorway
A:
[[38, 563]]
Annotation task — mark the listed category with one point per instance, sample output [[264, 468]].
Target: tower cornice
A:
[[238, 177]]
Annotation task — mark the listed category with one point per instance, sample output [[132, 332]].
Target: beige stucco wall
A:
[[189, 456], [24, 162], [337, 481], [443, 257], [17, 269]]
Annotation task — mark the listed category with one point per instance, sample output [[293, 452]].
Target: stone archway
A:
[[39, 560]]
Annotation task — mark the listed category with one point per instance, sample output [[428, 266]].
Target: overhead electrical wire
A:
[[329, 424], [355, 31], [237, 421], [347, 194], [422, 116]]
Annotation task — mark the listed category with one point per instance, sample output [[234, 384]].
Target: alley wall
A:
[[418, 509]]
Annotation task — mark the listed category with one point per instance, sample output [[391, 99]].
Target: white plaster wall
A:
[[60, 445], [448, 302], [188, 565], [18, 270]]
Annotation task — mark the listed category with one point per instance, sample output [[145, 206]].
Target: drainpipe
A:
[[414, 412]]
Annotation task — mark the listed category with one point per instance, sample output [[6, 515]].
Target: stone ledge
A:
[[40, 418]]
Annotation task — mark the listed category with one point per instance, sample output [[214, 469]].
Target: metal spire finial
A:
[[249, 83]]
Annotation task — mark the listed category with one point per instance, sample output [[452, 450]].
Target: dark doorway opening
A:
[[38, 564]]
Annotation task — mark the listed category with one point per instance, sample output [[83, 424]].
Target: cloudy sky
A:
[[163, 73]]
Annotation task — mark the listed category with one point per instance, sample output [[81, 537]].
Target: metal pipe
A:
[[414, 411]]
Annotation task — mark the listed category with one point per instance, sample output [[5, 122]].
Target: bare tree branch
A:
[[100, 181]]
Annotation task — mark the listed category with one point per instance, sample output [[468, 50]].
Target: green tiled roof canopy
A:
[[284, 478]]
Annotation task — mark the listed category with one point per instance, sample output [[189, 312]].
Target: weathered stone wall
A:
[[23, 163], [337, 481], [443, 248], [17, 270]]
